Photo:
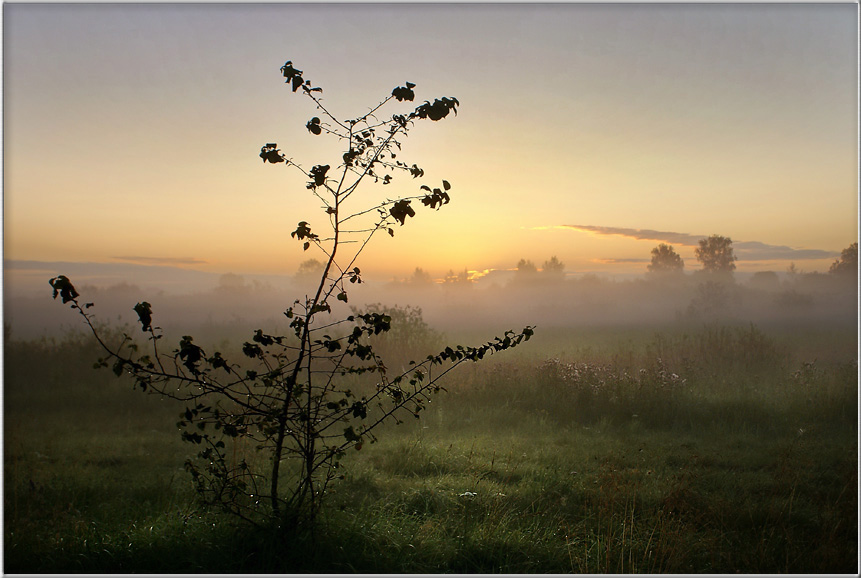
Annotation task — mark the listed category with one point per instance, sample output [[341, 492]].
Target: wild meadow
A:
[[611, 417], [687, 448]]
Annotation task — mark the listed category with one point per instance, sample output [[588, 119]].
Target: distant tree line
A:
[[714, 253]]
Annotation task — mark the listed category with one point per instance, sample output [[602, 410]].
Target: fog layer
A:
[[219, 307]]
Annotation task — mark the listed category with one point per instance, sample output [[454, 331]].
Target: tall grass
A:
[[720, 450]]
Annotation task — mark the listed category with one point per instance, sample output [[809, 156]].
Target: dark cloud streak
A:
[[171, 261], [744, 250], [642, 234], [756, 251], [620, 261]]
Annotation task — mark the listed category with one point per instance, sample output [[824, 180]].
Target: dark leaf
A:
[[253, 351], [350, 435], [289, 72], [313, 125], [403, 93], [303, 231], [190, 353], [262, 339], [144, 311], [297, 82], [271, 153], [401, 210], [359, 410], [64, 288], [349, 156], [217, 361], [437, 198], [318, 173], [355, 275], [438, 110]]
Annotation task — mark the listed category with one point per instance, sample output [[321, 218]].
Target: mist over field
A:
[[660, 424], [667, 422], [231, 345], [220, 306]]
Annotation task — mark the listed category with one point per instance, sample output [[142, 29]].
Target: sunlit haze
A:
[[430, 288], [588, 132]]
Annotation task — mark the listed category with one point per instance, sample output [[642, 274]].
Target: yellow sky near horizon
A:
[[131, 133]]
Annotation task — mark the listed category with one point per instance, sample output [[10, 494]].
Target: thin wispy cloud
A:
[[641, 234], [622, 261], [756, 251], [744, 250], [168, 261]]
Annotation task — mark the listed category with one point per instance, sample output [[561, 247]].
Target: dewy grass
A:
[[736, 471]]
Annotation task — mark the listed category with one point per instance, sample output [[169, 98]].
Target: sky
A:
[[588, 132]]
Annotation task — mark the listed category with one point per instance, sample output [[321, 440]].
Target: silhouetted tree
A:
[[309, 272], [665, 260], [420, 278], [553, 268], [765, 280], [232, 284], [526, 274], [461, 279], [526, 267], [294, 398], [310, 268], [716, 254], [847, 264]]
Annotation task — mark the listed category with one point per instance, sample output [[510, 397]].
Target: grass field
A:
[[700, 449]]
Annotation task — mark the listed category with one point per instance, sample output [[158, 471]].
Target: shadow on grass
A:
[[219, 547]]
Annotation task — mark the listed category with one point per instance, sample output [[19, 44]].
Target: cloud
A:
[[756, 251], [744, 250], [621, 261], [170, 261], [641, 234]]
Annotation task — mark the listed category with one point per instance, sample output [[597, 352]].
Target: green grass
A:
[[747, 462]]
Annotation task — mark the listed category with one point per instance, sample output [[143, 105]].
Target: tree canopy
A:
[[553, 267], [665, 260], [847, 264], [716, 254]]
